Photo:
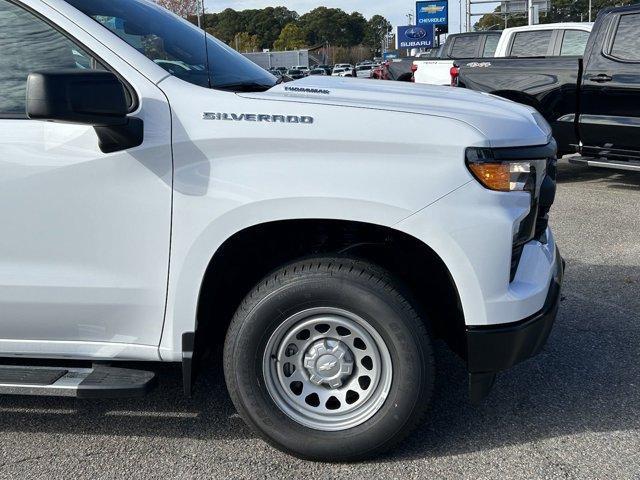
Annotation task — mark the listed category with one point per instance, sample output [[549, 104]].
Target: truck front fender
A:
[[188, 267]]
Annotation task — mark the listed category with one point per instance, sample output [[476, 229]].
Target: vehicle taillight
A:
[[414, 69], [455, 72]]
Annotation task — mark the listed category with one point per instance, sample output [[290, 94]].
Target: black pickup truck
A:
[[591, 102]]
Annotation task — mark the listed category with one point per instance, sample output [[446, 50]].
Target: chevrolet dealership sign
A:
[[433, 12]]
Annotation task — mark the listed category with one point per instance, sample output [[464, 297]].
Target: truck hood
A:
[[504, 123]]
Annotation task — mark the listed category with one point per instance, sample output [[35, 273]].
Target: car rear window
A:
[[574, 42], [531, 44], [465, 47], [625, 43], [490, 45]]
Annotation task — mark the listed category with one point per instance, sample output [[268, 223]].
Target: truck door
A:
[[84, 249], [609, 122]]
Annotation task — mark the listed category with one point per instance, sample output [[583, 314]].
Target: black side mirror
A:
[[85, 97], [131, 28]]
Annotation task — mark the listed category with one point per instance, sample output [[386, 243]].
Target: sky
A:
[[394, 10]]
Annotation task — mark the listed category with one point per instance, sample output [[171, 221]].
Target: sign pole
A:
[[467, 27]]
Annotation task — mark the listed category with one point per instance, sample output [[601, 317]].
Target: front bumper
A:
[[493, 348]]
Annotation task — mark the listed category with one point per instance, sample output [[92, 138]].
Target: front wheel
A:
[[326, 360]]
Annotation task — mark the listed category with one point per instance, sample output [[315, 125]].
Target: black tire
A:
[[367, 291]]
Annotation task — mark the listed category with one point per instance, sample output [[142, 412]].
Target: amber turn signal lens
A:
[[494, 176]]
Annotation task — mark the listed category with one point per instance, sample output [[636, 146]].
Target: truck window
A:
[[176, 45], [490, 45], [625, 43], [574, 42], [29, 44], [465, 46], [531, 44]]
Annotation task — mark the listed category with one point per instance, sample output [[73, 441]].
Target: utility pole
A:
[[409, 18], [410, 23], [530, 11], [589, 10]]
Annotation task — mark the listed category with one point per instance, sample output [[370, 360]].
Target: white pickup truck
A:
[[544, 40], [553, 39], [155, 204], [437, 71]]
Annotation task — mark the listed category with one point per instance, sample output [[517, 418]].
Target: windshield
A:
[[176, 45]]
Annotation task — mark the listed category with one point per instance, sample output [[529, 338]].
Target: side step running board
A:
[[633, 166], [97, 382]]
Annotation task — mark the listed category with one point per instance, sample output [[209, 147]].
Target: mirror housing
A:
[[131, 28], [85, 97]]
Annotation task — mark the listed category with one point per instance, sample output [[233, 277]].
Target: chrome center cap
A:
[[328, 362]]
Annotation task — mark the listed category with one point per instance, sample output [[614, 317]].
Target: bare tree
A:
[[184, 8]]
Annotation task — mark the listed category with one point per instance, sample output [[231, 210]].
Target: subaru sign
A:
[[433, 12], [415, 36]]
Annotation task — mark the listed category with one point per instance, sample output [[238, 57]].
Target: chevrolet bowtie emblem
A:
[[327, 366]]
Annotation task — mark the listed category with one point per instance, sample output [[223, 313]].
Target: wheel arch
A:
[[251, 253]]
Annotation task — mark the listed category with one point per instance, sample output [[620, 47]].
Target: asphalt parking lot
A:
[[572, 412]]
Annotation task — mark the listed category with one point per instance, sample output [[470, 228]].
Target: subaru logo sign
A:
[[416, 33], [413, 36]]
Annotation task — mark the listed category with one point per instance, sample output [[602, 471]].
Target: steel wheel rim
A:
[[347, 366]]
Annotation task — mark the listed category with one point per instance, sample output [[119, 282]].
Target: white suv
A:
[[340, 69], [151, 212]]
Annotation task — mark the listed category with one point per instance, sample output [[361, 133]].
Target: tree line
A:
[[560, 11], [279, 28]]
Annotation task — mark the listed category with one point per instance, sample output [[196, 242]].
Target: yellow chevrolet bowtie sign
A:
[[432, 9]]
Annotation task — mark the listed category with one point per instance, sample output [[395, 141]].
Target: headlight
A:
[[504, 175], [519, 169]]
